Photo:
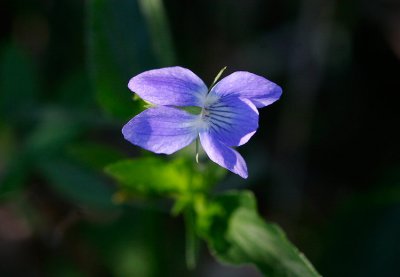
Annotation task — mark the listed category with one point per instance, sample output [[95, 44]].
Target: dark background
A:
[[325, 163]]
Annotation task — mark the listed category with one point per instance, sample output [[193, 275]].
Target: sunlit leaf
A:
[[161, 177], [151, 175]]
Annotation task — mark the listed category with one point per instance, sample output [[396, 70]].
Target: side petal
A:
[[161, 129], [232, 120], [223, 155], [257, 89], [169, 86]]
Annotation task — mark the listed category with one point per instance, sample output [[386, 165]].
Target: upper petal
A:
[[223, 155], [174, 86], [257, 89], [161, 129], [232, 120]]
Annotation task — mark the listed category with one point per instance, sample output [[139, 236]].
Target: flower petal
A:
[[161, 129], [174, 86], [223, 155], [257, 89], [232, 120]]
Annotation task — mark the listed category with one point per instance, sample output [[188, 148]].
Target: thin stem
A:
[[197, 150], [192, 241]]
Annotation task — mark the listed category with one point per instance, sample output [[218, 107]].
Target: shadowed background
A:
[[324, 164]]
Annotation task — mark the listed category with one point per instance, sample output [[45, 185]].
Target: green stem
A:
[[192, 241]]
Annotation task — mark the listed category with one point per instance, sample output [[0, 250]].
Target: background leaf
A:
[[94, 155], [156, 19], [14, 177], [18, 85], [120, 47], [82, 187]]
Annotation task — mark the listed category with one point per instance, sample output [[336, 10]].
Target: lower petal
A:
[[161, 129], [223, 155], [232, 120]]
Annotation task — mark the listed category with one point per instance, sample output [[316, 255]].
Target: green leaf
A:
[[266, 245], [154, 176], [151, 176], [236, 234]]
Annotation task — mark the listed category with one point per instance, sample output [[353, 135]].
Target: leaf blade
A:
[[237, 235]]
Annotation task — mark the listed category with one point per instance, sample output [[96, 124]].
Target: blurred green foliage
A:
[[124, 38], [238, 235], [64, 69], [229, 223], [18, 85], [177, 177]]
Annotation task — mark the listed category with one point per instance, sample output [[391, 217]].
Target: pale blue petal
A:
[[232, 120], [257, 89], [223, 155], [169, 86], [161, 129]]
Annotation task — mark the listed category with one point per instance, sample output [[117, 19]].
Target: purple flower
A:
[[228, 115]]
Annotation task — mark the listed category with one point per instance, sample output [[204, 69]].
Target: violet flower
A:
[[227, 117]]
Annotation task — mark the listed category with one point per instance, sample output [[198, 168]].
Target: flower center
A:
[[205, 113]]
